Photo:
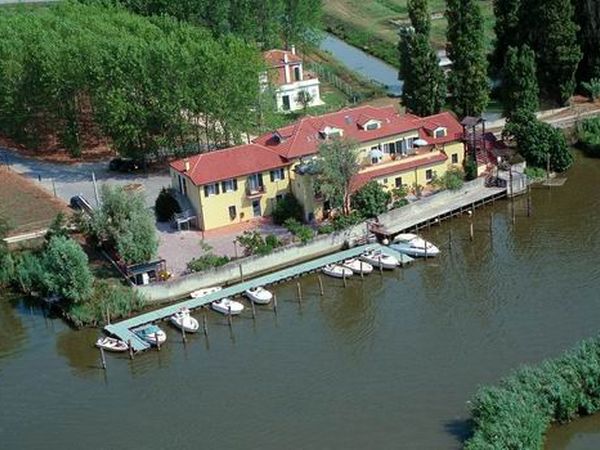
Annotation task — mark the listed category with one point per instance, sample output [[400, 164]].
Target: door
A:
[[286, 102], [256, 208]]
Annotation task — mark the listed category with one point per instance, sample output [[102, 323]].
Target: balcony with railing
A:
[[254, 191]]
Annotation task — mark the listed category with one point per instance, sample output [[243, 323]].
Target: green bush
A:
[[165, 206], [207, 261], [342, 222], [29, 274], [254, 243], [588, 136], [516, 413], [399, 203], [326, 228], [452, 180], [535, 173], [287, 208], [470, 167], [303, 232], [592, 88], [371, 200]]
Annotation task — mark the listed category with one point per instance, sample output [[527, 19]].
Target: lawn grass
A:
[[373, 25], [24, 205]]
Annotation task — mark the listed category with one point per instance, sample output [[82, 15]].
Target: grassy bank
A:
[[518, 411], [373, 26]]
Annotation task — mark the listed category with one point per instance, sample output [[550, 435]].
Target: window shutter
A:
[[282, 173], [216, 185], [235, 184], [272, 173], [223, 187], [206, 191], [260, 180]]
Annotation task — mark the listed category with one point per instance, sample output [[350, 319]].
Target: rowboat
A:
[[111, 344]]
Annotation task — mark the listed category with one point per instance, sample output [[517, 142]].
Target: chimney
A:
[[186, 165], [293, 49]]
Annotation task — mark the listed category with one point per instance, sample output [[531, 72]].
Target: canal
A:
[[389, 362]]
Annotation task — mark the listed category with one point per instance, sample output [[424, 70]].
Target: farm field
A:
[[25, 206], [372, 25]]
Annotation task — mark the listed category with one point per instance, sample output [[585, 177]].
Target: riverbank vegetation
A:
[[517, 412], [141, 84], [588, 136]]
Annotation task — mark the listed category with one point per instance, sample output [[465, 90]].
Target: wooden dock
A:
[[124, 329], [438, 207]]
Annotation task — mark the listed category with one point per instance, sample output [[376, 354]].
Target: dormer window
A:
[[331, 132], [372, 125], [440, 132]]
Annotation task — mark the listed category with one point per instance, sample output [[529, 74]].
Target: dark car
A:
[[125, 165], [79, 202]]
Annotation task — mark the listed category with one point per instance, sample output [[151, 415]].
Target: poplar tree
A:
[[587, 16], [519, 82], [467, 82], [424, 89], [507, 28]]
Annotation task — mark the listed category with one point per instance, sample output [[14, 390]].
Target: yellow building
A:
[[242, 183]]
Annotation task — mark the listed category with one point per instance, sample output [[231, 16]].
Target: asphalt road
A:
[[73, 179]]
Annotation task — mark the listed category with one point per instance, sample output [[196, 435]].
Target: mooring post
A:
[[450, 239], [362, 275], [320, 285], [380, 266], [130, 349], [528, 201], [157, 341], [344, 278], [299, 288], [54, 188], [275, 303], [204, 324], [102, 358], [229, 321], [514, 215], [425, 251], [491, 223], [107, 315], [183, 333], [253, 308], [241, 273], [471, 230]]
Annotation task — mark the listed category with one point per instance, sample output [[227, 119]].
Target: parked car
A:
[[125, 165], [79, 202]]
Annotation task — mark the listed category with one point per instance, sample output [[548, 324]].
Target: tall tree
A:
[[507, 29], [300, 18], [587, 16], [467, 82], [424, 89], [337, 165], [520, 89]]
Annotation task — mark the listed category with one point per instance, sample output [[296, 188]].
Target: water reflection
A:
[[77, 347], [13, 335]]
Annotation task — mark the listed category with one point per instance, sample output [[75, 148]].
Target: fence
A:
[[331, 78], [252, 266]]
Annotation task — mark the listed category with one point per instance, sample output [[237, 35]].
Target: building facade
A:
[[295, 88], [242, 183]]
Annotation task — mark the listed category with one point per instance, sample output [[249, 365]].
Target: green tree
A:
[[507, 29], [300, 19], [67, 270], [371, 200], [592, 88], [588, 136], [337, 165], [6, 260], [587, 16], [30, 274], [287, 208], [519, 82], [124, 222], [467, 82], [539, 142], [420, 19]]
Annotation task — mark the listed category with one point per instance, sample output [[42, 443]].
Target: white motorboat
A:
[[379, 259], [259, 295], [227, 306], [413, 245], [358, 266], [152, 334], [202, 292], [111, 344], [337, 271], [184, 321]]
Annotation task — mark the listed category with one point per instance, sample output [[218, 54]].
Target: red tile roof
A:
[[275, 58], [303, 137], [364, 177], [232, 162]]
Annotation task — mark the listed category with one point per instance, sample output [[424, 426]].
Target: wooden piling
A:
[[241, 273], [344, 279], [253, 309], [229, 319], [204, 324], [102, 357], [471, 231], [362, 275], [183, 333], [107, 315], [157, 341], [380, 266], [299, 289], [320, 285], [491, 223], [275, 303], [425, 251], [513, 213], [130, 347], [528, 201], [450, 240]]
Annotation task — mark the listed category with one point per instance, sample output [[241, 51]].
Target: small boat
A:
[[379, 259], [202, 292], [111, 344], [259, 295], [412, 245], [227, 306], [152, 334], [358, 266], [184, 321], [337, 271]]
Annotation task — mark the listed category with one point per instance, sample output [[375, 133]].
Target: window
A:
[[375, 159], [391, 148], [398, 182], [211, 189], [297, 73], [277, 174], [232, 212], [182, 185], [429, 175], [255, 182], [439, 132], [385, 181], [372, 126], [454, 158], [229, 185], [410, 143]]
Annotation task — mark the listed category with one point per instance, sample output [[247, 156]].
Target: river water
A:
[[389, 362]]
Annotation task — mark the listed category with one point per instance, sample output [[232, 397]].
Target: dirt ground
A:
[[24, 205]]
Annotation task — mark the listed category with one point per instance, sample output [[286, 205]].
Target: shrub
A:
[[592, 88], [254, 243], [470, 167], [342, 222], [207, 261], [371, 200], [452, 180], [535, 173], [588, 136], [165, 206], [29, 274], [326, 228], [399, 203], [287, 208], [304, 233], [517, 412]]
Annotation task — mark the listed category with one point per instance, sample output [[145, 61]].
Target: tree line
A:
[[145, 84], [269, 23]]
